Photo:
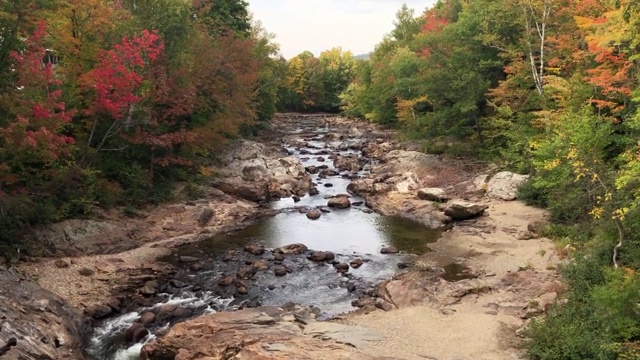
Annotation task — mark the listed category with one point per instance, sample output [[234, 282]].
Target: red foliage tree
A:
[[434, 23], [32, 139], [116, 81]]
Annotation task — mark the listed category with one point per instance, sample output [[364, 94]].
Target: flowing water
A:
[[350, 233]]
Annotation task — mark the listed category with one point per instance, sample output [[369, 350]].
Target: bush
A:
[[531, 194], [601, 313]]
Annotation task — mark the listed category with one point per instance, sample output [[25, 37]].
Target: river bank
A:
[[503, 278]]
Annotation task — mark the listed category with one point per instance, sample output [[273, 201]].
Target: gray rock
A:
[[135, 333], [433, 194], [246, 272], [78, 238], [41, 324], [99, 311], [389, 250], [360, 187], [347, 163], [504, 185], [339, 202], [114, 303], [295, 249], [171, 313], [342, 267], [356, 263], [314, 214], [205, 216], [383, 304], [356, 336], [242, 290], [258, 191], [321, 256], [254, 249], [147, 318], [226, 281], [85, 271], [148, 290], [280, 270], [177, 283], [461, 210], [261, 264], [188, 259]]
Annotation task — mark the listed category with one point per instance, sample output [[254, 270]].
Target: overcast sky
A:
[[318, 25]]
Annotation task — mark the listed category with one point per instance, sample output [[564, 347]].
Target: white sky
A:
[[318, 25]]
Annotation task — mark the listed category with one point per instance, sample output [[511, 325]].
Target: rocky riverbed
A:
[[463, 295]]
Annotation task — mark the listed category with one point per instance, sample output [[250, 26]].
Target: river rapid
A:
[[234, 272]]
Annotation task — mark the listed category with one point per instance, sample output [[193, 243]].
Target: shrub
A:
[[600, 315]]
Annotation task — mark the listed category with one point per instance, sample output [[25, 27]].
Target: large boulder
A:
[[376, 151], [347, 163], [171, 313], [256, 173], [403, 161], [35, 323], [502, 186], [314, 214], [260, 334], [462, 210], [320, 256], [78, 237], [258, 191], [245, 150], [339, 202], [293, 249], [286, 186], [433, 194], [403, 183], [361, 187]]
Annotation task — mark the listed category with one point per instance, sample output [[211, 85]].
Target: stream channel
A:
[[350, 233]]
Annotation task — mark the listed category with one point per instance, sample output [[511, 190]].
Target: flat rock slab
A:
[[357, 336], [35, 323], [260, 333]]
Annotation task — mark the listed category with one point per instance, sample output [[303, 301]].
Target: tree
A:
[[337, 71], [225, 74], [536, 17], [18, 20], [221, 16], [272, 71], [32, 137], [407, 25], [115, 86]]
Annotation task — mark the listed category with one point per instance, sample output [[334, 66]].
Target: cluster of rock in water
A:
[[238, 285]]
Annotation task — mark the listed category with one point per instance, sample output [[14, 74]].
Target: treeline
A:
[[546, 87], [315, 84], [109, 102]]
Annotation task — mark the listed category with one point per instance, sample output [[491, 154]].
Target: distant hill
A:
[[363, 56]]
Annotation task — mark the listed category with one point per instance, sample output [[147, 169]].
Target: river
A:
[[352, 233]]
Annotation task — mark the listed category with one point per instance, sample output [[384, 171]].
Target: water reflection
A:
[[341, 231]]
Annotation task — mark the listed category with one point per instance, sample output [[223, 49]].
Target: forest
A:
[[109, 103]]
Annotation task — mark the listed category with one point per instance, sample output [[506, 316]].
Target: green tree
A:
[[221, 16]]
